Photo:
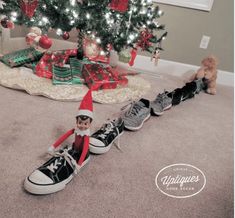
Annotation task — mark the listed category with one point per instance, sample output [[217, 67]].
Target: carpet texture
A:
[[121, 184]]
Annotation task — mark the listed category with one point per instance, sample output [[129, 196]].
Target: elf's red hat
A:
[[86, 106]]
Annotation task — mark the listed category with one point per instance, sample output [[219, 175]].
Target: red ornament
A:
[[10, 25], [144, 42], [65, 35], [119, 5], [28, 7], [133, 56], [45, 42], [7, 23], [4, 22]]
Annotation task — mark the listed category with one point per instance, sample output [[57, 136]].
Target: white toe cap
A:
[[40, 178], [96, 142]]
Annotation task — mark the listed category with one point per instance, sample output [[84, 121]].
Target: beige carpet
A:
[[199, 132]]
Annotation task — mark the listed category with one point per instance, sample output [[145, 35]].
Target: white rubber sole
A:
[[139, 127], [49, 189], [166, 108], [102, 149]]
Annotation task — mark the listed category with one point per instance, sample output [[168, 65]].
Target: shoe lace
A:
[[133, 110], [160, 98], [69, 159], [107, 128]]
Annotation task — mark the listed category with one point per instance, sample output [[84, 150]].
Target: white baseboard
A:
[[145, 65]]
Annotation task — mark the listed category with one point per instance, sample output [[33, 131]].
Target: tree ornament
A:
[[65, 36], [6, 23], [45, 42], [10, 25], [119, 5], [90, 48], [133, 56], [30, 37], [144, 42], [156, 56], [2, 4], [36, 30], [28, 7]]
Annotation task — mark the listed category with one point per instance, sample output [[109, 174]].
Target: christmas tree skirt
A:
[[24, 79]]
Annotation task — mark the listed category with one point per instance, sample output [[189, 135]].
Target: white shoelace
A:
[[134, 108], [52, 167], [108, 127]]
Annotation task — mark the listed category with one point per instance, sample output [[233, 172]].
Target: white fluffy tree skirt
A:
[[24, 79]]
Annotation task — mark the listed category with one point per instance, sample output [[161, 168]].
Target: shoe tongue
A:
[[140, 103]]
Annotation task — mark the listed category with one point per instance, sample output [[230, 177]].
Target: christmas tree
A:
[[119, 23]]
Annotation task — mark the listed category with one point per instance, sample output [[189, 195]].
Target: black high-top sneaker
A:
[[102, 140], [53, 175]]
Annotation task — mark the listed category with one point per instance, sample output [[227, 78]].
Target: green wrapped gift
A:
[[31, 65], [61, 75], [125, 56], [76, 66], [64, 76], [21, 57]]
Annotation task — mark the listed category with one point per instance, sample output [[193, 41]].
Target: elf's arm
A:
[[60, 140], [84, 150]]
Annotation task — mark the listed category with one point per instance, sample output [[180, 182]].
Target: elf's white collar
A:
[[82, 132]]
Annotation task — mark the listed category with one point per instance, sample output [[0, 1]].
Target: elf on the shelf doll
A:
[[82, 130], [58, 171]]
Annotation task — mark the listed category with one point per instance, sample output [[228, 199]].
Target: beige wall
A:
[[185, 29]]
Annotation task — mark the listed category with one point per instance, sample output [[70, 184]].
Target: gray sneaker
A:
[[161, 103], [138, 113], [200, 85]]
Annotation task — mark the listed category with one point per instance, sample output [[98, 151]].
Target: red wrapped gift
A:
[[98, 77], [119, 78], [58, 58]]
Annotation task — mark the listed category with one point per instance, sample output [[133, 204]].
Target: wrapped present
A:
[[64, 76], [76, 66], [118, 77], [98, 77], [125, 56], [61, 75], [58, 58], [31, 65], [21, 57]]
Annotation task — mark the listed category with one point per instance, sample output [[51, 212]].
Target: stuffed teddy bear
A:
[[208, 72]]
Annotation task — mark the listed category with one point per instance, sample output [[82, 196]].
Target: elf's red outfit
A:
[[80, 143]]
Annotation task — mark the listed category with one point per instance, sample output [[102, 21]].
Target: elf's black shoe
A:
[[102, 140], [55, 173]]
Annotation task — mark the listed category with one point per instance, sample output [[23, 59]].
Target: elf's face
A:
[[83, 124]]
